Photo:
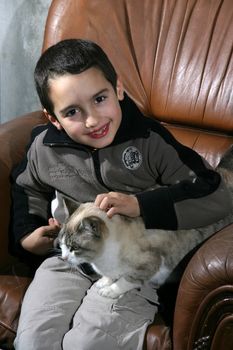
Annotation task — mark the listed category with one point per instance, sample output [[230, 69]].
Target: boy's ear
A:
[[120, 89], [53, 120]]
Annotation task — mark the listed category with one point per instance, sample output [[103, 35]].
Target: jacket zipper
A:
[[95, 157]]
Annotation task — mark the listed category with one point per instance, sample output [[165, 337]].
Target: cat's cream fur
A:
[[122, 251]]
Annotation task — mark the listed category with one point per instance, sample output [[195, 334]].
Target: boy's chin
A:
[[100, 143]]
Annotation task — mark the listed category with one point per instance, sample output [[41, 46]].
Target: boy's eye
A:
[[100, 99], [72, 112]]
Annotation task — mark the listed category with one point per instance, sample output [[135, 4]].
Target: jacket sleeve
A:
[[31, 200], [190, 193]]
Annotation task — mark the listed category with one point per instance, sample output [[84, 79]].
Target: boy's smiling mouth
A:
[[101, 132]]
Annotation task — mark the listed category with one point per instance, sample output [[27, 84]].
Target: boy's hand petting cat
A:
[[41, 240], [118, 203]]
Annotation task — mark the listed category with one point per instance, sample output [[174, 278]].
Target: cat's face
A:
[[82, 238]]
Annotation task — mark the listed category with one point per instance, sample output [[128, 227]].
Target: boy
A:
[[98, 147]]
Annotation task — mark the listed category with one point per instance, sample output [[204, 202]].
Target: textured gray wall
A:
[[22, 28]]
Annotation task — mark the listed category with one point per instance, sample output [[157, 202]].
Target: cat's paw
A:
[[117, 288], [104, 282], [110, 291]]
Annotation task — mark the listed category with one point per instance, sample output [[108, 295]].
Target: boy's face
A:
[[86, 107]]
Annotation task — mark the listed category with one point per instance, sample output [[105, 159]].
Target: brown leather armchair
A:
[[175, 58]]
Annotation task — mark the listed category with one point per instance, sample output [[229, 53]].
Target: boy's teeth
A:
[[98, 132]]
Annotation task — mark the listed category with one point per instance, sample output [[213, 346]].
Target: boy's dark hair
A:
[[71, 56]]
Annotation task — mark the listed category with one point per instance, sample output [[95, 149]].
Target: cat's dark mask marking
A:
[[92, 225]]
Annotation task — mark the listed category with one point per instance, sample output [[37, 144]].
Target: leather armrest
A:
[[204, 307], [14, 283], [158, 335]]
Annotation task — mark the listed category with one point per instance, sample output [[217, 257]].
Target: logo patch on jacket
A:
[[61, 172], [131, 158]]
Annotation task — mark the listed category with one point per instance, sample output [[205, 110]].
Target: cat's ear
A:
[[62, 207], [69, 206], [93, 225]]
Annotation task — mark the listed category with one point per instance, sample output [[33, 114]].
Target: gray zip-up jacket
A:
[[175, 188]]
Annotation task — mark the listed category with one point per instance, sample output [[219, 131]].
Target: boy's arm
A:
[[191, 193], [31, 228], [30, 210], [162, 209]]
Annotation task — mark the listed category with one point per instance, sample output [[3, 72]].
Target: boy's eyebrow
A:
[[100, 92], [62, 111]]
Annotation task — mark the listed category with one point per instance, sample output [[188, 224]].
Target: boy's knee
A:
[[28, 340], [96, 339]]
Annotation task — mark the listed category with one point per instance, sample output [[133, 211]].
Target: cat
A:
[[123, 251]]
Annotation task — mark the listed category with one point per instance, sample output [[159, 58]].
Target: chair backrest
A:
[[175, 59]]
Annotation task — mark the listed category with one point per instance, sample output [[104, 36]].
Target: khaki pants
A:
[[62, 310]]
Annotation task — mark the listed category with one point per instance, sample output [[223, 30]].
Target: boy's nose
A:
[[91, 120]]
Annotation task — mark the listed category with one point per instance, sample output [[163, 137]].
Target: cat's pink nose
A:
[[65, 257]]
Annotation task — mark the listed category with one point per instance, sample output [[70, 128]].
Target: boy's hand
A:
[[41, 240], [118, 203]]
